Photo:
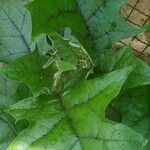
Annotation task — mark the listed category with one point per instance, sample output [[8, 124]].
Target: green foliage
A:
[[62, 87], [134, 105]]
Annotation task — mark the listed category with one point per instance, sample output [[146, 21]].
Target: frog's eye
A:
[[84, 63], [81, 63], [62, 59], [48, 55]]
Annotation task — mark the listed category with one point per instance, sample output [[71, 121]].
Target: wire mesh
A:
[[137, 12]]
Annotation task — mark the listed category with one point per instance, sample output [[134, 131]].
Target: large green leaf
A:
[[15, 31], [88, 19], [76, 120], [123, 58]]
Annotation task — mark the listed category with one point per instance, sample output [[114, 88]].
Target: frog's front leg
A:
[[51, 60], [62, 66], [57, 81]]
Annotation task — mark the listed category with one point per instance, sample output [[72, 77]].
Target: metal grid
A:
[[132, 13]]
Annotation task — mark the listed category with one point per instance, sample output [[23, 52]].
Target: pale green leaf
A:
[[105, 23], [15, 31]]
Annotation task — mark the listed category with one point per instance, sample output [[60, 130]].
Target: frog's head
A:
[[68, 49], [70, 58]]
